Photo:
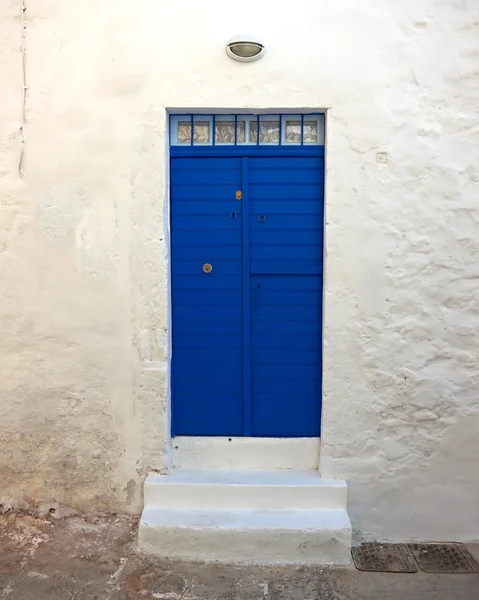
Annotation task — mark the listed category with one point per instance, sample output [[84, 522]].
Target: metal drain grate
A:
[[385, 558], [444, 558]]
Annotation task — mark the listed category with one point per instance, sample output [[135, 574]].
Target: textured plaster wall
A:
[[84, 243]]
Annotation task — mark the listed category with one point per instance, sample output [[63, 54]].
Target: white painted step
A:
[[242, 536], [246, 517], [263, 490]]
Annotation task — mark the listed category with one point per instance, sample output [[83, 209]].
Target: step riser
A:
[[244, 496], [257, 547], [192, 452]]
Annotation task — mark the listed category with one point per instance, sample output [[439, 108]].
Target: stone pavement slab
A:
[[43, 558]]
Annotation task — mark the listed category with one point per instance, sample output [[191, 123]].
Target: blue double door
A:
[[247, 244]]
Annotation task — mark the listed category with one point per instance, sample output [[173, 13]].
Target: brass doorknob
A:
[[239, 195], [207, 268]]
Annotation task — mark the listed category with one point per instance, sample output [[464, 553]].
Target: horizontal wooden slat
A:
[[216, 312], [286, 192], [205, 164], [299, 163], [184, 224], [206, 237], [296, 253], [285, 237], [205, 193], [298, 327], [217, 369], [195, 267], [200, 282], [221, 386], [292, 297], [210, 341], [287, 207], [207, 253], [286, 176], [278, 283], [288, 341], [221, 209], [285, 356], [212, 356], [284, 267], [206, 326], [203, 297], [205, 177]]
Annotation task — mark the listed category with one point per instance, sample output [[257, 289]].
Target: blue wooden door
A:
[[247, 333]]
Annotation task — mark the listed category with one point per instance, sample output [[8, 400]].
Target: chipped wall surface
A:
[[84, 241]]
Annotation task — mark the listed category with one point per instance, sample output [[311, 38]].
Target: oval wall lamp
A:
[[245, 48]]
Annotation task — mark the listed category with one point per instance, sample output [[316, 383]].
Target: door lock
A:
[[239, 195], [207, 268]]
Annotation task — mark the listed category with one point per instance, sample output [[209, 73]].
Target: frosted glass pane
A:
[[310, 132], [269, 132], [202, 132], [293, 132], [225, 132], [184, 132]]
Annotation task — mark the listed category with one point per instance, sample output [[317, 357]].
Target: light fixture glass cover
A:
[[245, 48]]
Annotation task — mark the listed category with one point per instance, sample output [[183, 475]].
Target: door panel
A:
[[285, 296], [274, 323], [207, 307]]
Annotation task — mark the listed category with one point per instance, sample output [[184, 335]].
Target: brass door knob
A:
[[207, 268], [239, 195]]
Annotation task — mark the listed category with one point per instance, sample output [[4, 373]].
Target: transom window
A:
[[242, 130]]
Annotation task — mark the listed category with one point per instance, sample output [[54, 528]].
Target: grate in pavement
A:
[[444, 558], [391, 558]]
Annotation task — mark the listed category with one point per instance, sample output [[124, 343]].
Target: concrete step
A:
[[246, 517], [262, 490], [244, 536]]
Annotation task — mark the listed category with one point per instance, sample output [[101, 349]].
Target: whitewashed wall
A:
[[84, 246]]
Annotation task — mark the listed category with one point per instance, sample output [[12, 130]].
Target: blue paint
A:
[[246, 150], [246, 300], [247, 336]]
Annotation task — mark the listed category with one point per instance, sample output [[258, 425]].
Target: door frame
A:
[[273, 446]]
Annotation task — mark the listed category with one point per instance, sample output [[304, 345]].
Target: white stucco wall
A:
[[84, 245]]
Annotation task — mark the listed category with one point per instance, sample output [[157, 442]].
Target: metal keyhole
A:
[[234, 215]]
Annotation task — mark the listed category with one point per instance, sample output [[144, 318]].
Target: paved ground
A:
[[77, 559]]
